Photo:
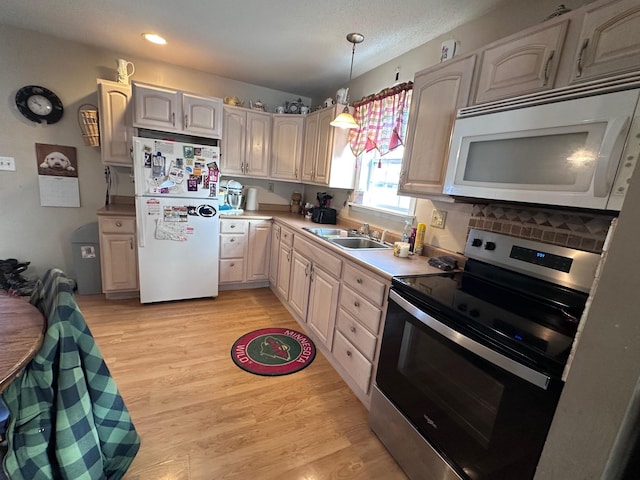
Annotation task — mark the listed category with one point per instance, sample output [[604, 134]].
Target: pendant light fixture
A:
[[345, 119]]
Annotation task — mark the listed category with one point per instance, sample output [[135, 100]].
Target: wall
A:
[[510, 17], [41, 235]]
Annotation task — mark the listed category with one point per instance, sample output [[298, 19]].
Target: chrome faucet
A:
[[365, 230]]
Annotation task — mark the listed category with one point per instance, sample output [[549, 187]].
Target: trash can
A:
[[85, 245]]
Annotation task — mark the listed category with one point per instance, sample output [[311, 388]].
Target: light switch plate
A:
[[8, 164], [438, 218]]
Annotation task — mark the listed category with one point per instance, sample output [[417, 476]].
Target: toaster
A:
[[324, 215]]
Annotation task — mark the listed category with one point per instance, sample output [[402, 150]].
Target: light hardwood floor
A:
[[201, 417]]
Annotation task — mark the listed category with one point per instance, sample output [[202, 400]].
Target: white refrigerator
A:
[[178, 224]]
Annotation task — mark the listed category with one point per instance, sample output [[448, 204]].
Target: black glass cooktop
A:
[[535, 321]]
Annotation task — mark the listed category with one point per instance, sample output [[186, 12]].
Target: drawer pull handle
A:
[[348, 353], [359, 280], [353, 329], [118, 224], [232, 226], [356, 304]]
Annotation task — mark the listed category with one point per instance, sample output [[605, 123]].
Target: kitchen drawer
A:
[[231, 270], [233, 226], [356, 365], [359, 336], [286, 236], [362, 310], [232, 246], [319, 256], [365, 283], [117, 225]]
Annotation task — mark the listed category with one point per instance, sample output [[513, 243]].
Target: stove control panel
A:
[[561, 265]]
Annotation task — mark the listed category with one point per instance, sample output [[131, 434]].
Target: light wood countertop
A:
[[381, 261]]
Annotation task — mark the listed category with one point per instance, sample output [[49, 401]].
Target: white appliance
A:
[[178, 225], [574, 146]]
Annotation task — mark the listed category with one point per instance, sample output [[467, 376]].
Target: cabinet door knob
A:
[[356, 304], [353, 329], [118, 224], [232, 264], [348, 353], [359, 280], [232, 226], [232, 240]]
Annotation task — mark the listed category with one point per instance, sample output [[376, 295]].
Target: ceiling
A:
[[297, 46]]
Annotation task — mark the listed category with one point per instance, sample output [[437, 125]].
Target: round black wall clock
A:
[[39, 104]]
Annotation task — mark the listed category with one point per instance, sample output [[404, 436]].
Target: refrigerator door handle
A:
[[140, 230]]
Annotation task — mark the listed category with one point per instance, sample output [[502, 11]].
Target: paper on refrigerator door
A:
[[176, 169]]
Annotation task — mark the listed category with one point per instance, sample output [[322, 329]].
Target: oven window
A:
[[470, 397]]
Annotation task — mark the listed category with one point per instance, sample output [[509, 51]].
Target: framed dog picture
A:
[[56, 160]]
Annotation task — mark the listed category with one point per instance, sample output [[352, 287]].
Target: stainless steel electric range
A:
[[471, 362]]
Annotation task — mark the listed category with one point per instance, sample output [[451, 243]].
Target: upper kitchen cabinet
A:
[[170, 110], [116, 130], [327, 158], [438, 93], [286, 146], [246, 142], [609, 42], [520, 64]]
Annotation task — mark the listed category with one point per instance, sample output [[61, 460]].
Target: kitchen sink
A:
[[357, 243], [327, 232]]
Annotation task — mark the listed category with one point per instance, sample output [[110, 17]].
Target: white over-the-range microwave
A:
[[573, 146]]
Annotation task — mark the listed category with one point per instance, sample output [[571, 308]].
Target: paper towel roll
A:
[[252, 199]]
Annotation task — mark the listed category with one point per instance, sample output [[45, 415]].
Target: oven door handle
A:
[[528, 374]]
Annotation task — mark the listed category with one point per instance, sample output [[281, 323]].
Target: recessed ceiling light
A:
[[153, 38]]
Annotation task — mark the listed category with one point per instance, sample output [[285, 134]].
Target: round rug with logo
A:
[[273, 351]]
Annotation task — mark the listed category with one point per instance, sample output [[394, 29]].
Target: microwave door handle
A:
[[532, 376], [612, 147]]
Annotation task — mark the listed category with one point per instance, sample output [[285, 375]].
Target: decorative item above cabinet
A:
[[169, 110]]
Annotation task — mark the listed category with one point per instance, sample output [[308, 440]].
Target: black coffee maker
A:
[[323, 213]]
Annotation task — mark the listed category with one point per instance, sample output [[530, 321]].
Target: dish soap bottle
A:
[[419, 245], [406, 233]]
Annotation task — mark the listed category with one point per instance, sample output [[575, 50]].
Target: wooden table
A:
[[22, 328]]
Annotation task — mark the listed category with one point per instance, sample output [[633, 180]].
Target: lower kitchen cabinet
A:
[[359, 324], [340, 304], [315, 284], [300, 280], [323, 300], [273, 255], [313, 296], [284, 263], [244, 253], [118, 254]]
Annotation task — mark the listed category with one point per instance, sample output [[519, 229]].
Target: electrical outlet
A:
[[8, 164], [270, 186], [438, 218]]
